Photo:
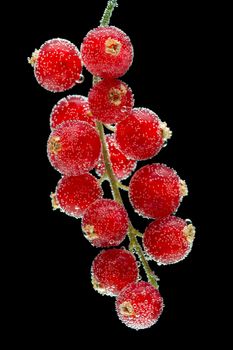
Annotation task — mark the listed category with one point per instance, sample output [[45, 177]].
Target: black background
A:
[[55, 302]]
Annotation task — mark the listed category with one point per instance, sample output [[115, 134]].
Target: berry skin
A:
[[73, 107], [110, 100], [139, 305], [122, 166], [112, 270], [57, 65], [156, 191], [105, 223], [74, 148], [168, 240], [142, 134], [107, 52], [74, 194]]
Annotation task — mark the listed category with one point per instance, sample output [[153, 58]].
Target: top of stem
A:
[[105, 20]]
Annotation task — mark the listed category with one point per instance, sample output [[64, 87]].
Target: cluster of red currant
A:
[[77, 144]]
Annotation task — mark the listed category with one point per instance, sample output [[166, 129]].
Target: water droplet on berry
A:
[[81, 79]]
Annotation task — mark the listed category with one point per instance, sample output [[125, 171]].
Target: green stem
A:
[[105, 20], [103, 178], [107, 163], [123, 187], [132, 232], [136, 246]]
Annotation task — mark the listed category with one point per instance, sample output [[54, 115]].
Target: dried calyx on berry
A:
[[107, 52], [110, 100], [139, 305]]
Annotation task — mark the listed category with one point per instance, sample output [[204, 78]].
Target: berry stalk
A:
[[105, 20], [109, 171], [132, 233], [115, 185]]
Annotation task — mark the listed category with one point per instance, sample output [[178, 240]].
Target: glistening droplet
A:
[[81, 79]]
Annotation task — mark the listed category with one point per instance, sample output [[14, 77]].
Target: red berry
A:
[[139, 305], [156, 190], [74, 148], [142, 134], [168, 240], [105, 223], [57, 65], [112, 270], [74, 194], [73, 107], [110, 100], [107, 52], [122, 166]]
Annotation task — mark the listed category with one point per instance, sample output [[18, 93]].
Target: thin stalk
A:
[[123, 187], [105, 20], [132, 232]]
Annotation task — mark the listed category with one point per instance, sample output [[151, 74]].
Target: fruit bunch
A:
[[78, 144]]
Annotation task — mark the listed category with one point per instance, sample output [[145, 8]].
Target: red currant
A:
[[112, 270], [110, 100], [156, 191], [168, 240], [141, 135], [57, 65], [74, 194], [139, 305], [73, 107], [107, 52], [105, 223], [74, 148], [122, 166]]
